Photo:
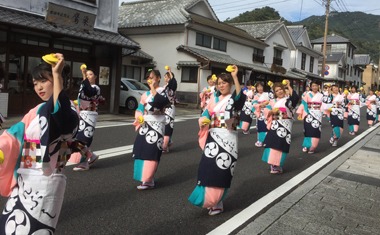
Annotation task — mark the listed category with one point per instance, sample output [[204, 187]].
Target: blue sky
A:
[[292, 10]]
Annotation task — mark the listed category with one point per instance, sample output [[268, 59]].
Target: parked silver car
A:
[[130, 93]]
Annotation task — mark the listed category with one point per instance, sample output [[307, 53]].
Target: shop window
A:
[[15, 71], [189, 74], [30, 40], [133, 72], [70, 46], [3, 36], [32, 63]]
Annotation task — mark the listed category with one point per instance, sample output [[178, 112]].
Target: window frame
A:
[[191, 69], [303, 61], [202, 43], [311, 64], [218, 41]]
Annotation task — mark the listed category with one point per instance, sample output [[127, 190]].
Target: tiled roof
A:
[[12, 17], [362, 59], [171, 12], [153, 13], [212, 56], [331, 39], [136, 53], [260, 30], [188, 63], [295, 32]]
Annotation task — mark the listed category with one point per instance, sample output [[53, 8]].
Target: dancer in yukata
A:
[[260, 101], [353, 111], [377, 105], [150, 125], [335, 110], [279, 115], [310, 111], [88, 99], [371, 108], [247, 111], [218, 140], [207, 91], [170, 89], [33, 153]]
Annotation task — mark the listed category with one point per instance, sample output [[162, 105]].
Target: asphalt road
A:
[[105, 200]]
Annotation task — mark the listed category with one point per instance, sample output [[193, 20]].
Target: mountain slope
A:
[[362, 29]]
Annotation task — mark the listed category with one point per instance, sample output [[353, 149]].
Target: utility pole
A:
[[325, 37]]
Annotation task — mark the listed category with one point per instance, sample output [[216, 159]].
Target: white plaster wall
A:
[[269, 51], [106, 11], [240, 52], [237, 51], [163, 48]]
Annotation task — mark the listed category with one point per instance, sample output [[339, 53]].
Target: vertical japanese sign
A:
[[70, 17]]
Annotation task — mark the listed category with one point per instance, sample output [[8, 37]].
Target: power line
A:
[[223, 4], [255, 6], [235, 6], [301, 10]]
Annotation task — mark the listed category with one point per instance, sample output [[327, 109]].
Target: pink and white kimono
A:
[[353, 108], [311, 110], [261, 123], [36, 151], [371, 109], [218, 140]]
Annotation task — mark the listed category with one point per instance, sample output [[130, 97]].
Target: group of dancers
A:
[[274, 112], [34, 151]]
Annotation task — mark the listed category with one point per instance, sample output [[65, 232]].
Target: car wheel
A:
[[131, 103]]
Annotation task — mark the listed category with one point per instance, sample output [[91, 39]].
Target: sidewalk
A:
[[343, 198], [125, 116]]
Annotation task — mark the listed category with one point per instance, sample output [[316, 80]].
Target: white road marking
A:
[[106, 124], [239, 219], [113, 152]]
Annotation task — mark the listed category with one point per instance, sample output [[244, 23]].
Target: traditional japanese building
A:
[[84, 31]]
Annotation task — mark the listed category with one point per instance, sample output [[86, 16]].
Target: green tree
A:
[[259, 14]]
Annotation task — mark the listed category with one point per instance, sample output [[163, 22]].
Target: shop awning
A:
[[35, 22]]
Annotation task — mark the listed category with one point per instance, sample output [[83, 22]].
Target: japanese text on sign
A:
[[70, 17]]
